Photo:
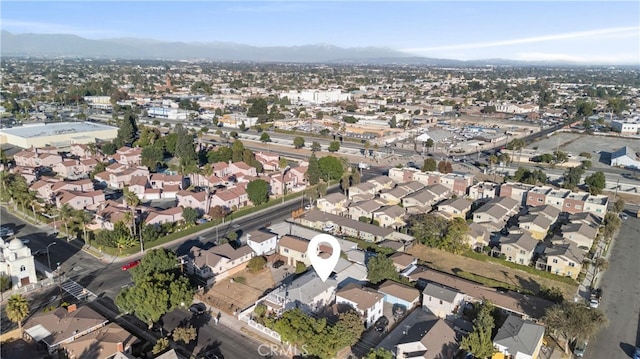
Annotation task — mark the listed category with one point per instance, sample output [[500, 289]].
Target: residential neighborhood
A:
[[166, 209]]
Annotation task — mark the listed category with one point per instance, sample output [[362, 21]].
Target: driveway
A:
[[620, 292]]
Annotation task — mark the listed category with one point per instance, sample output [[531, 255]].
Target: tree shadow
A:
[[211, 350], [628, 349], [528, 284]]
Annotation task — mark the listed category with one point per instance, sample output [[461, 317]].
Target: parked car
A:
[[381, 324], [624, 216], [636, 354], [398, 310], [580, 348], [277, 264], [24, 241], [39, 252], [6, 232], [131, 265], [198, 308]]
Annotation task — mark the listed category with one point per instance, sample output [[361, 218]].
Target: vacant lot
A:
[[452, 263], [231, 296]]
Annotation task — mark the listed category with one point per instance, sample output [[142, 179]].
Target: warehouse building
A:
[[59, 134]]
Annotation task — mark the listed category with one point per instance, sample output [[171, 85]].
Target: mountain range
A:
[[66, 45]]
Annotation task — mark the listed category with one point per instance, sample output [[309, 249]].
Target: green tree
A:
[[185, 149], [264, 137], [429, 229], [190, 215], [618, 206], [237, 151], [108, 148], [258, 108], [572, 177], [151, 156], [429, 165], [160, 346], [574, 321], [258, 191], [479, 342], [380, 268], [379, 353], [456, 236], [298, 142], [128, 129], [334, 146], [315, 146], [429, 144], [154, 295], [331, 168], [584, 108], [242, 127], [596, 182], [17, 309], [313, 171], [184, 334]]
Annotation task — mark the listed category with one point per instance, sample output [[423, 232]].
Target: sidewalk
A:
[[593, 276]]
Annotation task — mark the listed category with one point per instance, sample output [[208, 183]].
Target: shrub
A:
[[300, 268], [256, 263], [239, 279]]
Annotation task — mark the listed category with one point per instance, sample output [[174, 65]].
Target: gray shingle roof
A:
[[519, 336], [440, 292]]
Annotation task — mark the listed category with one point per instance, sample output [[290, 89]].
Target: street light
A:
[[48, 257]]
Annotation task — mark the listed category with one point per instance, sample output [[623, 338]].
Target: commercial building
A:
[[60, 134]]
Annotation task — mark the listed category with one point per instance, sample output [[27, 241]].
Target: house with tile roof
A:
[[294, 249], [105, 342], [218, 262]]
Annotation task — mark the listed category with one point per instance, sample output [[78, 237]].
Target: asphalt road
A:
[[107, 279], [620, 292]]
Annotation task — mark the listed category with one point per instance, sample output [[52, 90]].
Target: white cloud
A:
[[631, 31], [591, 59]]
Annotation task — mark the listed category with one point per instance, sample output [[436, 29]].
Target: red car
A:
[[130, 265]]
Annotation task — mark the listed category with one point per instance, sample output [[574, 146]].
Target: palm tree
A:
[[17, 309], [85, 218], [127, 219], [132, 201], [65, 213]]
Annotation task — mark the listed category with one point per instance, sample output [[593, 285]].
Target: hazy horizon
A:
[[512, 30]]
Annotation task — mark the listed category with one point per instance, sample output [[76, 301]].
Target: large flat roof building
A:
[[59, 134]]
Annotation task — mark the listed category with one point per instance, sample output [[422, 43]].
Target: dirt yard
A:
[[451, 263], [229, 296]]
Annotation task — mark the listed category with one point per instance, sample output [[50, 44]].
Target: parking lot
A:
[[575, 143]]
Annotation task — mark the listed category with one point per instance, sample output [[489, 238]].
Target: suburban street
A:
[[107, 279], [620, 291]]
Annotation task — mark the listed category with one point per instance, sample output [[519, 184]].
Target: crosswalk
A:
[[77, 291]]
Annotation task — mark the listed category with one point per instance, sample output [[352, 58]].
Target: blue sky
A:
[[595, 32]]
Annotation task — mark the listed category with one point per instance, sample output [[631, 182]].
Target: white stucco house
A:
[[262, 242], [366, 301], [16, 262]]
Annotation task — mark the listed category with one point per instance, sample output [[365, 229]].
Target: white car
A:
[[308, 207], [594, 303]]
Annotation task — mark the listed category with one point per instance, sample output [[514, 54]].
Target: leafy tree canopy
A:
[[258, 191]]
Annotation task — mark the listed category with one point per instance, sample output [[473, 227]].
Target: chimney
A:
[[72, 308], [120, 347]]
